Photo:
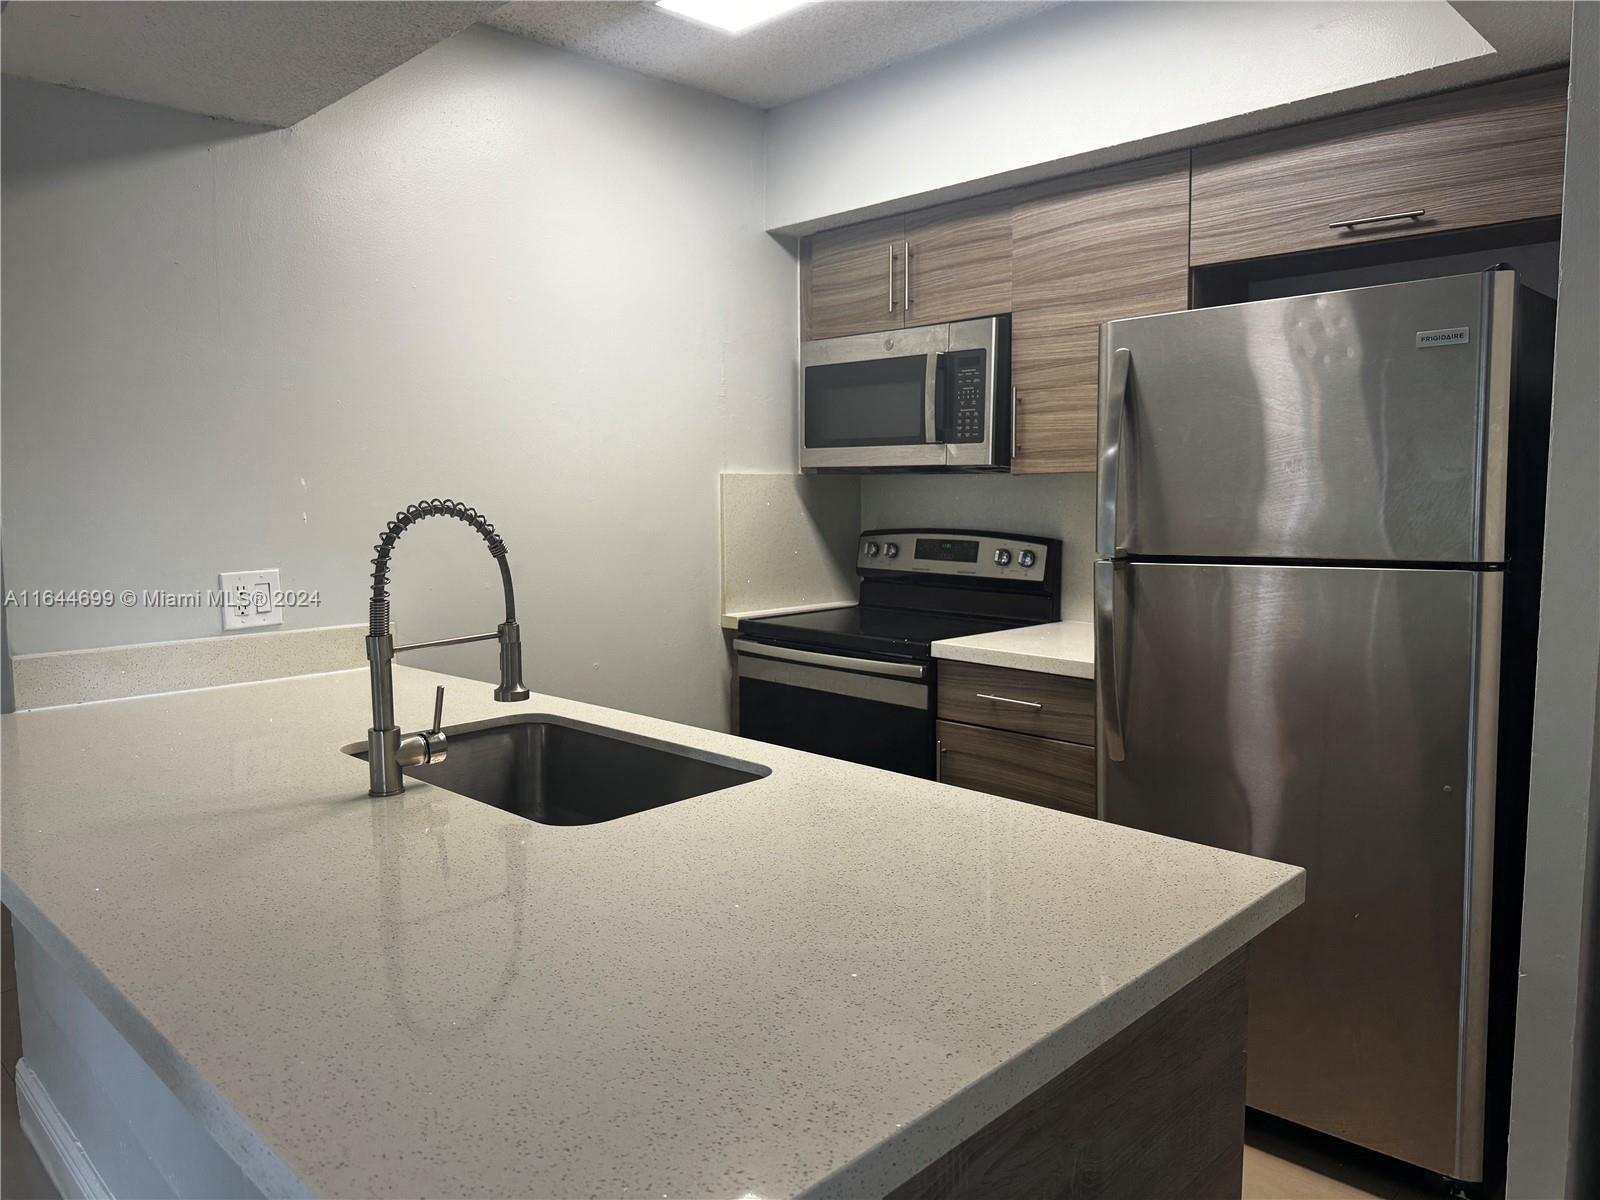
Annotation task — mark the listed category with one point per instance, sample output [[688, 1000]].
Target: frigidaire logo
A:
[[1441, 337]]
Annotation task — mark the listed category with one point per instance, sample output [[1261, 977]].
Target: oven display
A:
[[941, 550]]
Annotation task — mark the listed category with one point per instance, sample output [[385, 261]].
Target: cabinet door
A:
[[1057, 775], [1055, 369], [958, 263], [851, 279], [1109, 244], [1485, 156]]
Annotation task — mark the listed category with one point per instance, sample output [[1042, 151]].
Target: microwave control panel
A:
[[966, 396]]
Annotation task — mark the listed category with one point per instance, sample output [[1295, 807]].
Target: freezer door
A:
[[1359, 425], [1341, 719]]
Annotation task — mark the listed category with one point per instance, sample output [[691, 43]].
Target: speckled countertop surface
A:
[[1060, 648], [814, 983]]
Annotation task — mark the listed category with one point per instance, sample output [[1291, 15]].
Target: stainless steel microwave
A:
[[929, 398]]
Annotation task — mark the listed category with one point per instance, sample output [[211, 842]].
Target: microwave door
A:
[[868, 402]]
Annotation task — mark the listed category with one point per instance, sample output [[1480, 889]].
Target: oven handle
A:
[[867, 666]]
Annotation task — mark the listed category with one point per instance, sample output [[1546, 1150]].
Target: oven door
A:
[[869, 402], [862, 710]]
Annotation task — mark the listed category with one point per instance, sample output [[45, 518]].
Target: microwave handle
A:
[[941, 397]]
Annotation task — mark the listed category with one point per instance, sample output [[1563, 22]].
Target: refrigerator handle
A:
[[1107, 700], [1107, 533]]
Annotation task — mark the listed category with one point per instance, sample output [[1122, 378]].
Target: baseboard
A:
[[63, 1156]]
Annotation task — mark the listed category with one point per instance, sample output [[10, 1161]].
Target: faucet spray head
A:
[[511, 687]]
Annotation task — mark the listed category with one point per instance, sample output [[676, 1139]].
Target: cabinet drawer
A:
[[1051, 706], [1043, 771], [1486, 156]]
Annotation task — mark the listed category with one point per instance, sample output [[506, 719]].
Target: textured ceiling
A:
[[795, 55], [259, 61]]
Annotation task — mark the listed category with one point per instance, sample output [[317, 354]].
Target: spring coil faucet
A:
[[388, 750]]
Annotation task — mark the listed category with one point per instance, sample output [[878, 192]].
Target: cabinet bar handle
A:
[[1008, 700], [907, 305], [891, 277], [1413, 214]]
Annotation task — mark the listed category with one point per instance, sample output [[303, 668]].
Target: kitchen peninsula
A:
[[828, 981]]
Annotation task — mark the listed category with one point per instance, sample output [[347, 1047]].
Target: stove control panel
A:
[[954, 552]]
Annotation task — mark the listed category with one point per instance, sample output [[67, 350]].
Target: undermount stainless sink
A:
[[560, 772]]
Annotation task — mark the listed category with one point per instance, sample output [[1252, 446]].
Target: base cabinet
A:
[[1157, 1111], [1038, 770], [1020, 734]]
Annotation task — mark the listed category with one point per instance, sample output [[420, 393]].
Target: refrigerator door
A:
[[1364, 425], [1342, 719]]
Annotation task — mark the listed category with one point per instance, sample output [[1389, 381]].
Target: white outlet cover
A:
[[250, 599]]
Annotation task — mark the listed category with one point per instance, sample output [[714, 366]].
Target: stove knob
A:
[[1003, 557], [1026, 558], [872, 549], [891, 550]]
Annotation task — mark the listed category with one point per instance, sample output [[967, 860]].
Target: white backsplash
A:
[[788, 540], [1060, 506]]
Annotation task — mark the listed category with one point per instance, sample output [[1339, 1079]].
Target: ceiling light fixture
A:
[[730, 16]]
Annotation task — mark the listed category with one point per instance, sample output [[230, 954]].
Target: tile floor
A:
[[1283, 1168]]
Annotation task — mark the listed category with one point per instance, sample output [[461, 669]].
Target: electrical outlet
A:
[[250, 599]]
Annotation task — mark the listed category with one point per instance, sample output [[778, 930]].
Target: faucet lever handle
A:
[[438, 709]]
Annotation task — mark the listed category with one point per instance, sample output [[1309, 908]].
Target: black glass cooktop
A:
[[887, 632]]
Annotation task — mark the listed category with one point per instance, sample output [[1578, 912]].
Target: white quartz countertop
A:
[[730, 620], [814, 983], [1060, 648]]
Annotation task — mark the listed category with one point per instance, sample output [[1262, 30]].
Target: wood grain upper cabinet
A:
[[1484, 156], [1096, 247], [851, 279], [958, 261]]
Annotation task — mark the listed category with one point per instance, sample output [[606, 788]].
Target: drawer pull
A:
[[1414, 214], [1008, 700]]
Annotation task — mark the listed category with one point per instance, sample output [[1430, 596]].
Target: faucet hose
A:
[[378, 615]]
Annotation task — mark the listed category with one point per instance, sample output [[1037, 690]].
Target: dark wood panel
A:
[[1056, 369], [1097, 247], [959, 264], [1065, 704], [850, 279], [1481, 156], [1107, 244], [1157, 1111], [1037, 770]]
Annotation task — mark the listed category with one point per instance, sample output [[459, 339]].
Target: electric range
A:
[[860, 683]]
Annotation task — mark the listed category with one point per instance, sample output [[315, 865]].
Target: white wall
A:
[[500, 273], [1059, 506], [1555, 1099], [1086, 83]]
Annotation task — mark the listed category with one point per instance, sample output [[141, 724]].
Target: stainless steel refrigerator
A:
[[1318, 538]]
